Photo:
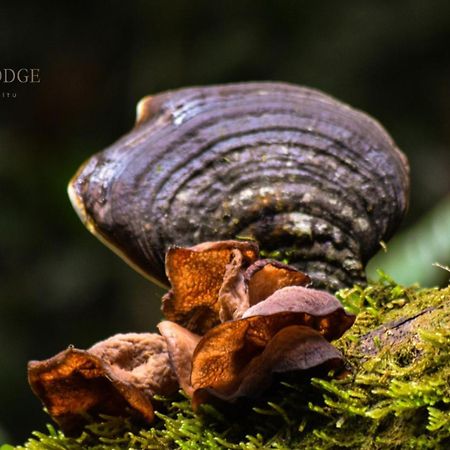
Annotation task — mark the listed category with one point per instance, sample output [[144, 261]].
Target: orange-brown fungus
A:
[[271, 323], [117, 376], [292, 349], [223, 355], [196, 275], [248, 358], [266, 276]]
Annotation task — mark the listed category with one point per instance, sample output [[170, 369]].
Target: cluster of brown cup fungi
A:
[[232, 322]]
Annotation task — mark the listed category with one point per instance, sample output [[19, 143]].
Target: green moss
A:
[[396, 396]]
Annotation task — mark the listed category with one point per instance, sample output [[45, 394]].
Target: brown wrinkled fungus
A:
[[242, 289], [294, 348], [141, 359], [196, 275], [232, 323], [117, 377], [224, 354]]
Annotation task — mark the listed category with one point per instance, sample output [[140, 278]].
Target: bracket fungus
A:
[[301, 173], [249, 319]]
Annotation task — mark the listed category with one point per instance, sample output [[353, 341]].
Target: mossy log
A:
[[395, 393]]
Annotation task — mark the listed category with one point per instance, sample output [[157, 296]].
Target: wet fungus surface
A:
[[232, 323]]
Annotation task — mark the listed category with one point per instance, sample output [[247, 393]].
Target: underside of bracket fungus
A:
[[232, 323]]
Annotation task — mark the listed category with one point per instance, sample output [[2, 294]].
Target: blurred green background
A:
[[59, 285]]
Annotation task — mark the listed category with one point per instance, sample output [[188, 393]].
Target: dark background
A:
[[58, 284]]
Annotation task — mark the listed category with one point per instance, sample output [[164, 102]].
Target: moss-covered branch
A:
[[395, 396]]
